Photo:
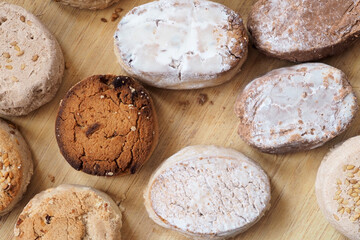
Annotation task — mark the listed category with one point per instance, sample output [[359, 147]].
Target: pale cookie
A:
[[338, 188], [16, 166], [88, 4], [295, 108], [31, 62], [181, 44], [208, 192], [70, 212], [304, 30]]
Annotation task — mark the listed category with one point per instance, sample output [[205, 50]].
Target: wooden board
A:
[[87, 43]]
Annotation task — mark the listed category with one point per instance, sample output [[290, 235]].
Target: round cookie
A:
[[107, 125], [88, 4], [338, 188], [208, 192], [31, 62], [181, 44], [295, 108], [70, 212], [307, 30], [16, 166]]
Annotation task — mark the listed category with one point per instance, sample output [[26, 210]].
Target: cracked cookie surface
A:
[[70, 212], [107, 125], [181, 44], [208, 192]]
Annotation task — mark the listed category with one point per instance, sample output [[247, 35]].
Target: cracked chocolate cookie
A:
[[181, 44], [208, 192], [16, 166], [305, 30], [107, 125], [88, 4], [31, 62], [70, 212]]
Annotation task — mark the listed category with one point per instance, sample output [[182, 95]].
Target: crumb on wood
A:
[[114, 16], [117, 10], [223, 108], [103, 20], [202, 98], [184, 104], [52, 178], [211, 102]]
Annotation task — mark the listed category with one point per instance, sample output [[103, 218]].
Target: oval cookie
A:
[[181, 44], [338, 186], [70, 212], [208, 192], [31, 62], [88, 4], [295, 108], [107, 125], [306, 30], [16, 166]]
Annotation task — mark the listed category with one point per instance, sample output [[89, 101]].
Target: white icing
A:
[[292, 101], [175, 39]]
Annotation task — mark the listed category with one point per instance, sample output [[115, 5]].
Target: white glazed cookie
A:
[[338, 188], [70, 212], [181, 44], [88, 4], [16, 166], [295, 108], [31, 62], [208, 192], [304, 30]]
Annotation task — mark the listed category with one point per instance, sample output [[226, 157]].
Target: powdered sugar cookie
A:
[[31, 62], [70, 212], [16, 166], [208, 192], [295, 108], [338, 187], [181, 44]]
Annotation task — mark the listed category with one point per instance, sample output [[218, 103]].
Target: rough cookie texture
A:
[[208, 192], [88, 4], [16, 166], [70, 212], [295, 108], [107, 125], [181, 44], [304, 30], [338, 187], [31, 62]]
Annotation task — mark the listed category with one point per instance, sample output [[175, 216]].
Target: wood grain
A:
[[87, 43]]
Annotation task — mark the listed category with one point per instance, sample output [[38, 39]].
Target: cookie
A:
[[107, 125], [70, 212], [16, 166], [305, 30], [31, 62], [208, 192], [88, 4], [338, 187], [295, 108], [181, 44]]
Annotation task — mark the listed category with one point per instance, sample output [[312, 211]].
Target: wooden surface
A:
[[87, 43]]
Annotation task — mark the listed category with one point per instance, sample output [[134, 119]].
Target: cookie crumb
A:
[[133, 128], [52, 178], [184, 104], [114, 16], [211, 102], [117, 10], [109, 173], [104, 20], [202, 98]]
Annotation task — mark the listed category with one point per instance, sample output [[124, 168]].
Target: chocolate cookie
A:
[[107, 125], [305, 30]]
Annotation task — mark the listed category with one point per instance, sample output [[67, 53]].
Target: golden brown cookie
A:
[[107, 125], [16, 166]]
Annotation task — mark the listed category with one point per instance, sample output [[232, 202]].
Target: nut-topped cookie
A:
[[107, 125], [70, 212], [338, 187], [295, 108], [31, 62], [16, 166], [181, 44]]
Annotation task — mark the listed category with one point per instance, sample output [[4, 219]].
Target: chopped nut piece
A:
[[20, 53], [6, 55], [29, 22], [13, 43], [35, 58], [9, 67], [14, 79], [22, 18], [23, 66]]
